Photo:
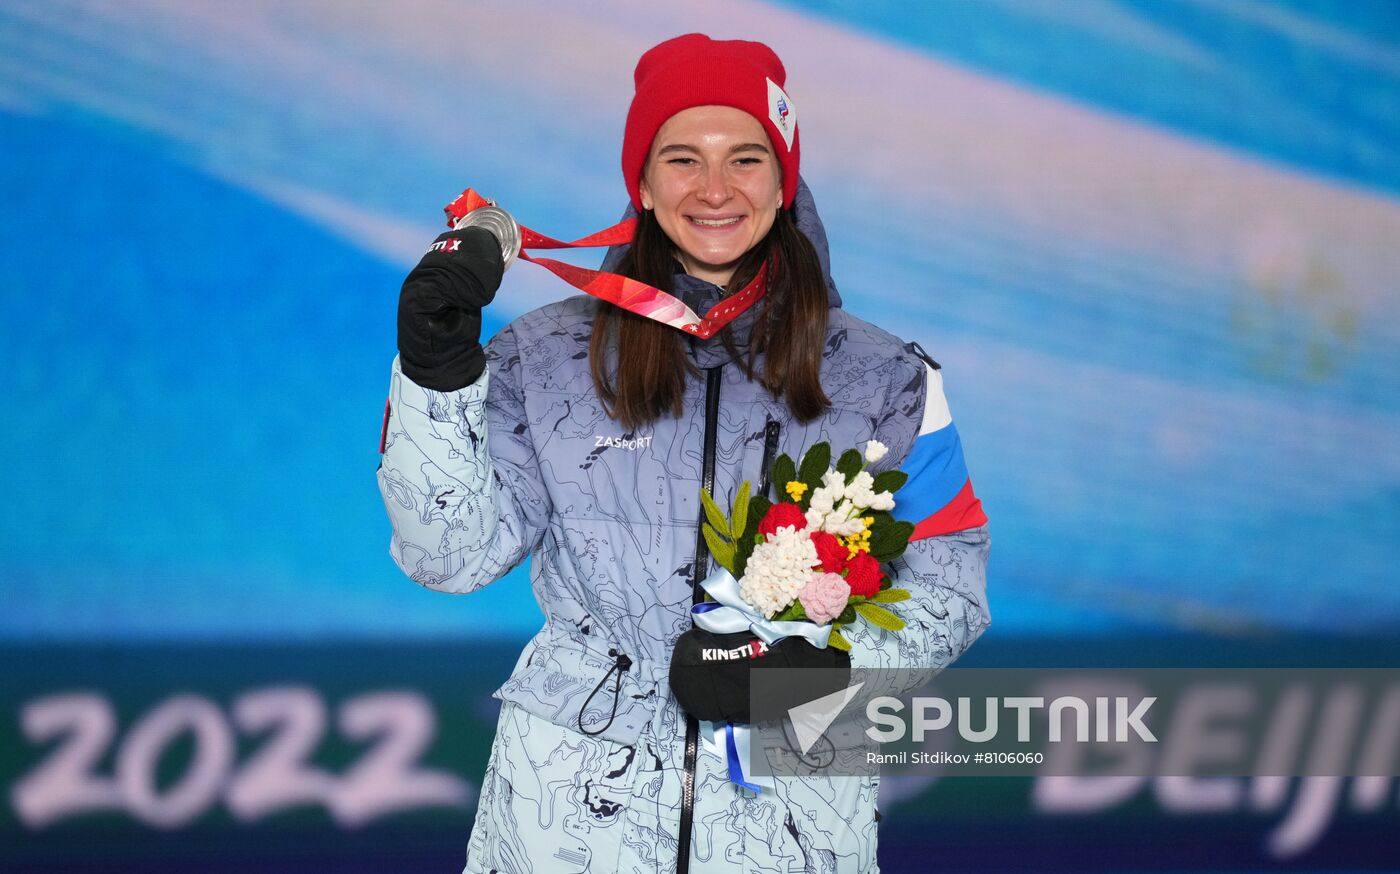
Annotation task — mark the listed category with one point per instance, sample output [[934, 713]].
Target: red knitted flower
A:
[[863, 575], [830, 551], [782, 516]]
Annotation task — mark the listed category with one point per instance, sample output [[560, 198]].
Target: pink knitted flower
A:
[[824, 597]]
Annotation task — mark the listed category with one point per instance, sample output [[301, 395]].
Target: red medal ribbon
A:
[[633, 296]]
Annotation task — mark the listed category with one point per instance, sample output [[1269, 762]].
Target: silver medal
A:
[[498, 222]]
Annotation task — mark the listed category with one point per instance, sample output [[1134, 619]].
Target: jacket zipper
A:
[[713, 378], [770, 451]]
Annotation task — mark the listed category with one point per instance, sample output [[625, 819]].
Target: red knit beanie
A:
[[694, 70]]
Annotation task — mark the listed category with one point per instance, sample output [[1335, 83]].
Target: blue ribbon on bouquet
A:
[[726, 614], [729, 612]]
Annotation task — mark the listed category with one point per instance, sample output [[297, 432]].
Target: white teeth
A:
[[710, 223]]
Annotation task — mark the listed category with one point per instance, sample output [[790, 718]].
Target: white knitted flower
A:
[[824, 499], [818, 508], [778, 569], [861, 492], [861, 487], [844, 521], [881, 501], [875, 450]]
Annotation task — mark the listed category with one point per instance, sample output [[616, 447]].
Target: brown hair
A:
[[651, 368]]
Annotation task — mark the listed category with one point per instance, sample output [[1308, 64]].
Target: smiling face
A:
[[715, 186]]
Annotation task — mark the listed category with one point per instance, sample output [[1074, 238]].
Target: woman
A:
[[581, 436]]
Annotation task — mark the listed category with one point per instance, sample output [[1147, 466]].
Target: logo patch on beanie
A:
[[781, 112]]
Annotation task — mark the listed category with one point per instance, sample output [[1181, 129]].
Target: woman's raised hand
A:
[[440, 309]]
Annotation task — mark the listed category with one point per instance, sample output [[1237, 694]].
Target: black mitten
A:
[[711, 674], [440, 309]]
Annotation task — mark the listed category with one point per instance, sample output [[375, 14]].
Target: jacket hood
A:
[[700, 295]]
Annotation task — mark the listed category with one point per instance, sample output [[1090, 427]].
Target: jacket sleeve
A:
[[945, 565], [459, 476]]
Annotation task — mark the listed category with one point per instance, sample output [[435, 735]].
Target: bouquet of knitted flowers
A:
[[818, 556]]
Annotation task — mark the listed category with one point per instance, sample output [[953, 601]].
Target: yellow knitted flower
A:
[[858, 542], [796, 489]]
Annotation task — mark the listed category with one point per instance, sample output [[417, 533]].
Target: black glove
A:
[[710, 686], [440, 309]]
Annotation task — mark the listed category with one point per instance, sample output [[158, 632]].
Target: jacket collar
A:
[[700, 295]]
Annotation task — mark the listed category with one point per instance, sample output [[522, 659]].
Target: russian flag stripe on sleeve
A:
[[938, 495], [936, 471]]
